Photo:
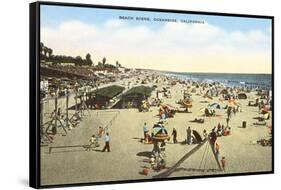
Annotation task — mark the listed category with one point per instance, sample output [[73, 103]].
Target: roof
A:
[[110, 91], [139, 90]]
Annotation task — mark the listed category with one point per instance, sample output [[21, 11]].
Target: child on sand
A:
[[100, 132], [93, 142]]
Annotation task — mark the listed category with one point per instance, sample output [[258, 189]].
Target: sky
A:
[[217, 44]]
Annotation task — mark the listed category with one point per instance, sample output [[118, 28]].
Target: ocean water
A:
[[263, 81]]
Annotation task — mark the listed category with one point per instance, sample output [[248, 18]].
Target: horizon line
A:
[[202, 72]]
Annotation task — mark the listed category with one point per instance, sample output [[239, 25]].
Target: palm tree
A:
[[41, 47], [103, 62], [44, 49], [50, 52], [47, 52]]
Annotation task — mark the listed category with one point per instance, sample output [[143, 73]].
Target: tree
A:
[[44, 50], [41, 47], [78, 61], [88, 60], [99, 64], [50, 52], [103, 62], [47, 52]]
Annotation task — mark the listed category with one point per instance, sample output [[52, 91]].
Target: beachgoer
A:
[[107, 140], [223, 163], [79, 116], [145, 132], [228, 130], [188, 137], [156, 149], [229, 112], [234, 111], [62, 121], [219, 130], [161, 164], [227, 122], [53, 132], [174, 134], [149, 139], [152, 161], [205, 134], [217, 150], [52, 114], [59, 112], [100, 132], [222, 129], [93, 141], [199, 120], [213, 138]]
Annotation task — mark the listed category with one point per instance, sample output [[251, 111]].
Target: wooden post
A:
[[75, 102], [41, 120], [67, 98], [56, 110], [41, 112]]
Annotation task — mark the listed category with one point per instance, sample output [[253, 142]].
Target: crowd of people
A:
[[192, 137]]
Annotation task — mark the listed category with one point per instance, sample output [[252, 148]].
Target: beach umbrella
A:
[[215, 106], [197, 136], [159, 132]]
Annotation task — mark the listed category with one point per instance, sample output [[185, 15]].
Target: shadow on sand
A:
[[197, 170], [68, 151], [144, 154]]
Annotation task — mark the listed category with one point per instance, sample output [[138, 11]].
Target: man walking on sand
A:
[[106, 146], [174, 134], [213, 138]]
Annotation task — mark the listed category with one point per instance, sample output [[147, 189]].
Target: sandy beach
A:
[[129, 156], [135, 95]]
